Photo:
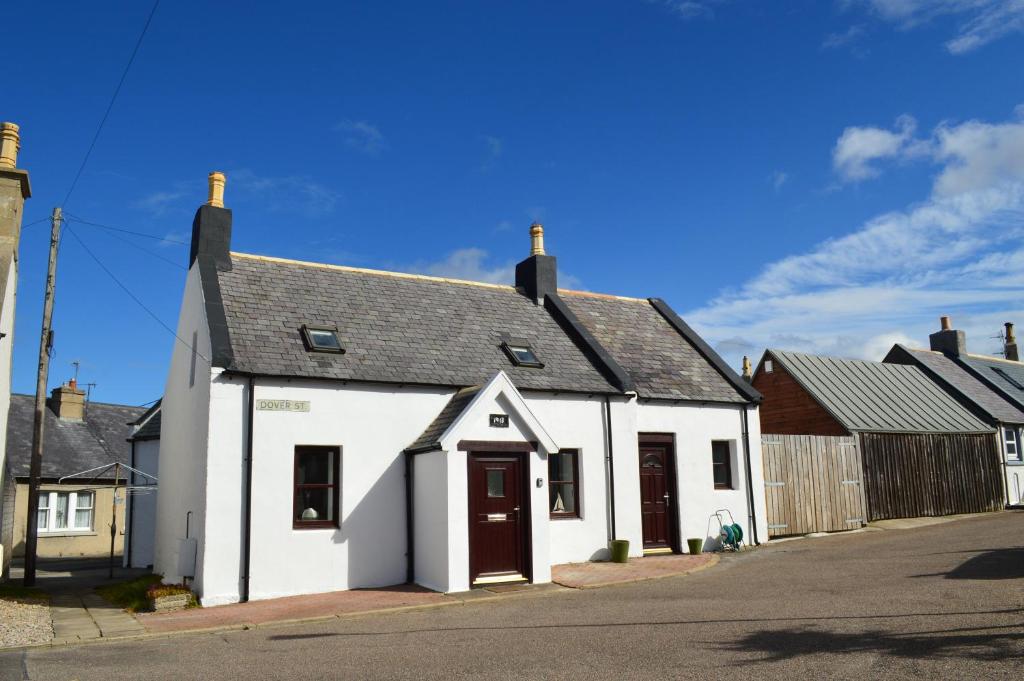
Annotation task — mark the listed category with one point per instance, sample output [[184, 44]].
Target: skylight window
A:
[[521, 354], [1009, 379], [321, 339]]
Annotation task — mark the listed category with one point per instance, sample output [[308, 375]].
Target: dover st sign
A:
[[282, 405]]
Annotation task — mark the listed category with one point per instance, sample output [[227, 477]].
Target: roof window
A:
[[321, 339], [521, 354], [1008, 378]]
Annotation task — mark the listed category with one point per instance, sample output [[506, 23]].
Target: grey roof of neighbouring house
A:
[[877, 397], [430, 438], [1000, 373], [150, 428], [69, 446], [962, 381], [399, 328]]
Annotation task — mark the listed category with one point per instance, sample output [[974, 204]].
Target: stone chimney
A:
[[211, 228], [947, 340], [1010, 344], [537, 276], [14, 189], [68, 402], [748, 375]]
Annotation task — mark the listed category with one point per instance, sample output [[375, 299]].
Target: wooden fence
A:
[[931, 475], [812, 484]]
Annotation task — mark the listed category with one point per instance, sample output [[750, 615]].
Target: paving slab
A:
[[595, 574]]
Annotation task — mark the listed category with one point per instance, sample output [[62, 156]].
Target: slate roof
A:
[[1005, 376], [962, 381], [69, 446], [413, 329], [430, 438], [877, 397], [150, 429], [661, 363]]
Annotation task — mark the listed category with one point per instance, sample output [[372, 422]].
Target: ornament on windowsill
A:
[[310, 514], [559, 504]]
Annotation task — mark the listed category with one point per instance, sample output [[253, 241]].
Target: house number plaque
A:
[[499, 420], [282, 405]]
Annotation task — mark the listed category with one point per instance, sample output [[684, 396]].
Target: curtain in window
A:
[[43, 513], [83, 511], [62, 511]]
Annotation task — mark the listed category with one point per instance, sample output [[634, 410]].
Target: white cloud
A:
[[689, 9], [362, 136], [850, 36], [778, 178], [979, 22], [287, 192], [959, 251], [473, 264], [858, 147], [158, 202]]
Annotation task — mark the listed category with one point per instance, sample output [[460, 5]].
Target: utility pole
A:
[[45, 345]]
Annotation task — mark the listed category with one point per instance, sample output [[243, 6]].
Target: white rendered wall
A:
[[695, 427], [373, 425], [185, 414], [142, 507], [6, 350], [1013, 468], [430, 520]]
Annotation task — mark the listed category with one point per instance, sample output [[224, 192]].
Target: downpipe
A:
[[752, 513]]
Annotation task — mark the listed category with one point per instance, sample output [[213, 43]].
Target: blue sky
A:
[[820, 176]]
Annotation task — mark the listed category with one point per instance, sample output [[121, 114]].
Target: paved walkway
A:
[[590, 575], [82, 616]]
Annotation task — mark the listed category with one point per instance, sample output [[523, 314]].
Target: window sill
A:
[[1015, 462], [724, 489], [553, 516], [324, 526], [69, 533]]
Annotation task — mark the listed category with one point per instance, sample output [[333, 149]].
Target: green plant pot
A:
[[695, 546], [620, 550]]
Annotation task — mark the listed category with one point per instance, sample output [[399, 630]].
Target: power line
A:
[[125, 231], [110, 106], [144, 250], [36, 222], [132, 295]]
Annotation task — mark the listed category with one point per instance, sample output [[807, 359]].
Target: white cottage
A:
[[329, 427]]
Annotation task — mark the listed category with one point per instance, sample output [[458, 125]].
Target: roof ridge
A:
[[990, 358], [606, 296], [91, 402]]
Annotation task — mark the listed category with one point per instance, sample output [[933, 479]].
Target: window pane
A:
[[721, 463], [523, 354], [83, 511], [41, 520], [62, 511], [315, 466], [315, 504], [561, 468], [562, 497], [495, 482], [327, 340]]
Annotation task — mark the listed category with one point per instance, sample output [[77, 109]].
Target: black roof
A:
[[430, 438], [412, 329], [960, 381], [148, 424], [1005, 376], [70, 446]]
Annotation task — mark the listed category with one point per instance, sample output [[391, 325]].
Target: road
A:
[[944, 601]]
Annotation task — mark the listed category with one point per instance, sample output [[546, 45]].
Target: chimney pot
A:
[[747, 373], [10, 143], [536, 239], [216, 196], [945, 323], [1010, 350]]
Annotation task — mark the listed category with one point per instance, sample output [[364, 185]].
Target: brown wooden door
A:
[[656, 503], [497, 517]]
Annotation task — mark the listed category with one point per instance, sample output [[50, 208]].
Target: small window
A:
[[65, 511], [317, 472], [768, 366], [495, 483], [1012, 444], [1009, 379], [43, 517], [83, 510], [521, 354], [563, 477], [721, 460], [322, 339]]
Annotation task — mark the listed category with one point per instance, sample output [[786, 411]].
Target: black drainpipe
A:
[[410, 540], [611, 462], [752, 515], [246, 549], [131, 509]]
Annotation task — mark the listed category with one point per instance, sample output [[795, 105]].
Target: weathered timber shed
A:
[[921, 452]]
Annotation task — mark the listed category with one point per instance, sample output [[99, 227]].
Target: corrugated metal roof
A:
[[877, 397]]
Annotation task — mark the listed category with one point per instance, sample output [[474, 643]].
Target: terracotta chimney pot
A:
[[536, 239], [10, 143], [216, 195]]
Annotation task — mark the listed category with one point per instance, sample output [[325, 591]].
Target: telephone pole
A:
[[45, 344]]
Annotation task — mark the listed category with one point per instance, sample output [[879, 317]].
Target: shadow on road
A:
[[986, 643], [991, 564]]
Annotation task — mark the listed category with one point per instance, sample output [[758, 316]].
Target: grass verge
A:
[[130, 595], [16, 592]]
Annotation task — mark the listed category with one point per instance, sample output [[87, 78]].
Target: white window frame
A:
[[1011, 443], [51, 512]]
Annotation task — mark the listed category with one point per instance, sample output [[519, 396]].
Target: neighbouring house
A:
[[14, 190], [327, 427], [991, 387], [78, 436], [145, 459], [844, 436]]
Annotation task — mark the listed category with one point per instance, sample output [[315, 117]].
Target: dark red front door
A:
[[496, 518], [656, 495]]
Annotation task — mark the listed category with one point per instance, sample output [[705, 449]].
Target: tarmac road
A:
[[943, 601]]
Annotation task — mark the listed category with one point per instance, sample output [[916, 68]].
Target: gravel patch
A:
[[24, 621]]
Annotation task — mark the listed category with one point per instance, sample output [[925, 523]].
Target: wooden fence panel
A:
[[812, 484], [910, 475]]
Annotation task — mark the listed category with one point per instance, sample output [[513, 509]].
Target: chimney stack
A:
[[537, 276], [68, 402], [211, 228], [1010, 345], [948, 341], [748, 375]]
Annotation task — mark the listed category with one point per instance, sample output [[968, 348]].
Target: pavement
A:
[[940, 601]]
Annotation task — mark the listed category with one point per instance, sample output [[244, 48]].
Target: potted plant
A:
[[168, 597], [695, 545], [620, 550]]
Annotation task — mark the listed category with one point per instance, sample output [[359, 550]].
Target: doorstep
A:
[[595, 574]]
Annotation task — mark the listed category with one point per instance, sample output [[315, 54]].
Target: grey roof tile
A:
[[1005, 375], [446, 417]]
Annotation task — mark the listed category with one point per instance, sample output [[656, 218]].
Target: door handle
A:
[[667, 498]]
